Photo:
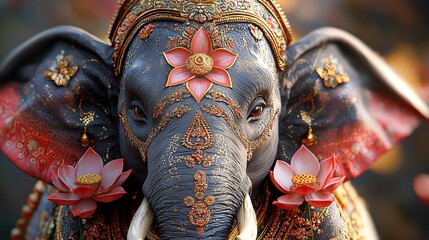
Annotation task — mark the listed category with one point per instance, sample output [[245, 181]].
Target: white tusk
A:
[[141, 223], [246, 221]]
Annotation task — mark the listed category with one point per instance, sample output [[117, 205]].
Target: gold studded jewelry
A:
[[311, 139], [86, 140], [266, 15], [198, 137], [200, 214], [331, 73], [199, 64], [63, 71]]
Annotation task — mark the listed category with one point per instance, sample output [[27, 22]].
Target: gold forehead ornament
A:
[[267, 15]]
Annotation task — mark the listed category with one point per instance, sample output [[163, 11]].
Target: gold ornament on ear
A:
[[331, 73], [63, 71]]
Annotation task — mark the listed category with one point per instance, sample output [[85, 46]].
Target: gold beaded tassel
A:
[[311, 139], [86, 139], [27, 211]]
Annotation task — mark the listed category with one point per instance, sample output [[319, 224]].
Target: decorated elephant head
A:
[[199, 98]]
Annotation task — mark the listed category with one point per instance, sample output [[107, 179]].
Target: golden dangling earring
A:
[[311, 139], [86, 139]]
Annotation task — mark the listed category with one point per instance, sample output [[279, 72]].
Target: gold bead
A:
[[199, 64]]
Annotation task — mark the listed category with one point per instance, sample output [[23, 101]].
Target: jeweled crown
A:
[[264, 16]]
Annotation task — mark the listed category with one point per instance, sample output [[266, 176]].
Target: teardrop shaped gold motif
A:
[[199, 134]]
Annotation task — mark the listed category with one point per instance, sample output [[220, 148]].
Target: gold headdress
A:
[[267, 15]]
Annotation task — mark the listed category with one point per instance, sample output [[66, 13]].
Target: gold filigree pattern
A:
[[331, 73], [63, 71], [348, 201], [199, 10], [217, 35], [199, 135], [146, 31], [143, 145], [200, 158], [249, 144], [174, 97], [200, 214], [221, 97]]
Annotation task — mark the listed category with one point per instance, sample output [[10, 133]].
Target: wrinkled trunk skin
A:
[[176, 192]]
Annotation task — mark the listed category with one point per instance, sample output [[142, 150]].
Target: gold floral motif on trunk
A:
[[200, 214], [199, 136]]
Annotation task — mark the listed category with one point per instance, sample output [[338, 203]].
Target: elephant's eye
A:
[[256, 111], [138, 112], [257, 108]]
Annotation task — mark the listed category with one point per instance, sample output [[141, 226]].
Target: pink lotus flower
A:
[[88, 182], [199, 67], [305, 179]]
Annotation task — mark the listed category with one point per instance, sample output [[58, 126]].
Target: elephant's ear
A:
[[341, 99], [55, 90]]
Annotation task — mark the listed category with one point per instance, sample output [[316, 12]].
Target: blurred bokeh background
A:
[[396, 29]]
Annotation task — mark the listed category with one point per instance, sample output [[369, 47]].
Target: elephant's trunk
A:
[[205, 210], [196, 193], [143, 218]]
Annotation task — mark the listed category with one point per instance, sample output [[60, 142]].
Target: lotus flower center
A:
[[304, 179], [90, 180], [199, 64]]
